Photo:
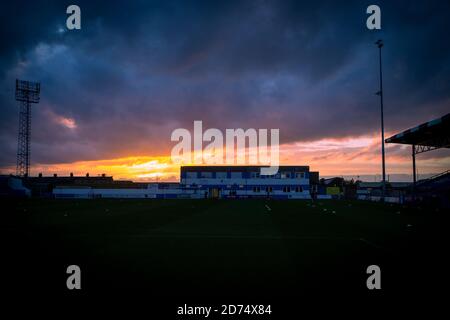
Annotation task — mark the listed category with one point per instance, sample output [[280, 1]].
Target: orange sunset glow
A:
[[346, 156]]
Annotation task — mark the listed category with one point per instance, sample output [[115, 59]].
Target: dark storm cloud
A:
[[139, 69]]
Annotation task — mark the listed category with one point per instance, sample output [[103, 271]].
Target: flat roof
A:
[[239, 168], [435, 133]]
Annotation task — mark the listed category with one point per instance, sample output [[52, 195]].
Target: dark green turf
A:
[[212, 247]]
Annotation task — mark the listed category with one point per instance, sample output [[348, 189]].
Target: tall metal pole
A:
[[414, 164], [26, 93], [414, 171], [379, 43], [23, 145]]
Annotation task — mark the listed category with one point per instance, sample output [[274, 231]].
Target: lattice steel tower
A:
[[26, 93]]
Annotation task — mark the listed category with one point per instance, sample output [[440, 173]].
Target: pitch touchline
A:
[[190, 236]]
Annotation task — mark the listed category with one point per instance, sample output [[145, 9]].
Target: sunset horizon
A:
[[348, 157]]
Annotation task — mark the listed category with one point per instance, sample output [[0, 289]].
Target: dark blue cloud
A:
[[139, 69]]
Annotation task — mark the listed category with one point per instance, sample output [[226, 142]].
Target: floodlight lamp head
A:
[[379, 43], [27, 91]]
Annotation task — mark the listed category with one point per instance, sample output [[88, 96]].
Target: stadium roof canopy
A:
[[430, 135]]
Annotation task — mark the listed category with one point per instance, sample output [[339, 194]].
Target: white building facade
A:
[[291, 182], [219, 182]]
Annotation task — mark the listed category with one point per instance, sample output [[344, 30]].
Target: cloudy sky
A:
[[113, 92]]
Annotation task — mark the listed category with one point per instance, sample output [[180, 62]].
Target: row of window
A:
[[285, 189], [238, 175], [256, 189]]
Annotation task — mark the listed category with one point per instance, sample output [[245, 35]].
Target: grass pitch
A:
[[214, 247]]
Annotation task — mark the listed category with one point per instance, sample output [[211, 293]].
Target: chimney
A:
[[55, 175], [40, 175], [87, 175], [71, 174], [103, 175]]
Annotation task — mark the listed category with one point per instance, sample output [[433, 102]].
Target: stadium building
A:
[[291, 182]]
